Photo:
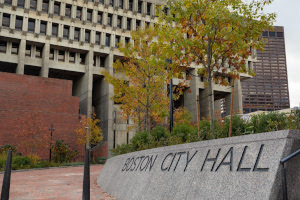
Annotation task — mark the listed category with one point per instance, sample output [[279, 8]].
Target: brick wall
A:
[[51, 98]]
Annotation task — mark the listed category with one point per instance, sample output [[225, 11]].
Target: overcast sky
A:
[[288, 15]]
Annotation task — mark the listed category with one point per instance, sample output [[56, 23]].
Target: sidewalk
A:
[[54, 184]]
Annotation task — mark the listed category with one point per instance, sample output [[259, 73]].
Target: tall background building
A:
[[268, 90]]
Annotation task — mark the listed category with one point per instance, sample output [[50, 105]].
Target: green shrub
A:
[[158, 133], [4, 149], [185, 132], [62, 152], [20, 162], [122, 149], [239, 126], [272, 121], [101, 160], [139, 140]]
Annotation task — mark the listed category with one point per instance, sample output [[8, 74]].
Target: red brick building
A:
[[51, 98]]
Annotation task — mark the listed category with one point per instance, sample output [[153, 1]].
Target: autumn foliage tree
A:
[[216, 35], [140, 78], [88, 131], [32, 134]]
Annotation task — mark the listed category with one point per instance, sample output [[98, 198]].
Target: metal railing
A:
[[283, 173]]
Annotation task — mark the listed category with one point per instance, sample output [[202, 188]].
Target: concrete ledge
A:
[[244, 167]]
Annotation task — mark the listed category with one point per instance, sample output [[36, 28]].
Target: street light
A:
[[171, 99], [51, 129]]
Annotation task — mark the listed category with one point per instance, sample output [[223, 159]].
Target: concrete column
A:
[[21, 57], [190, 99], [45, 67], [204, 102], [237, 100], [217, 107]]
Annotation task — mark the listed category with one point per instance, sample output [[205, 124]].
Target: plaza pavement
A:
[[54, 184]]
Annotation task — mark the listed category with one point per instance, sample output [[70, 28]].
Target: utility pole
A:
[[171, 104], [198, 116], [51, 129], [231, 108]]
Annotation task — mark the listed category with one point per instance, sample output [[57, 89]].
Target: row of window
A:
[[68, 7], [273, 34]]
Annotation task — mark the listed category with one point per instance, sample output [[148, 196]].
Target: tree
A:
[[88, 131], [32, 134], [219, 36], [140, 78]]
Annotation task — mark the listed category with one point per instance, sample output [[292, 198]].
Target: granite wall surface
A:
[[244, 167]]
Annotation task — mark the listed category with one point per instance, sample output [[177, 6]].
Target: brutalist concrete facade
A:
[[76, 40], [268, 90]]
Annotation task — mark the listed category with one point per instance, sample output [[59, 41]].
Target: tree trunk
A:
[[211, 105], [147, 116]]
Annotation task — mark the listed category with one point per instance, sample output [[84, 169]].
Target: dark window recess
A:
[[77, 34], [148, 8], [21, 3], [130, 4], [72, 57], [99, 18], [107, 40], [127, 40], [19, 23], [6, 20], [31, 25], [89, 15], [3, 46], [57, 8], [138, 23], [54, 30], [119, 22], [102, 61], [97, 38], [101, 2], [78, 13], [272, 34], [28, 50], [111, 2], [82, 58], [166, 10], [87, 36], [61, 55], [139, 7], [280, 34], [38, 52], [129, 24], [51, 54], [45, 6], [43, 28], [121, 4], [148, 24], [15, 48], [95, 60], [33, 4], [109, 20], [8, 2], [66, 32], [117, 41], [68, 10]]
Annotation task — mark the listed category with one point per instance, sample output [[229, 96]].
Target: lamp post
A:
[[171, 99], [51, 129]]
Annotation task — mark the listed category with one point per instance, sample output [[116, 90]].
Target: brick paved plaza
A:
[[54, 184]]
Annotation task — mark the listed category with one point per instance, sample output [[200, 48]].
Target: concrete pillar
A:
[[217, 108], [204, 102], [237, 100], [21, 57], [45, 59], [190, 99]]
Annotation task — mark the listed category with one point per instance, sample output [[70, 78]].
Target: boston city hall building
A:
[[76, 40]]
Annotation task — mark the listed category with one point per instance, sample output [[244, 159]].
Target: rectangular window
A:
[[43, 28], [66, 32], [117, 41], [95, 60], [33, 4], [99, 18], [102, 61], [109, 20], [119, 22], [130, 4], [19, 23], [89, 15], [28, 50], [51, 54], [127, 40], [45, 6], [280, 34], [107, 40], [148, 8], [61, 55], [78, 13], [56, 8], [38, 52], [139, 7], [138, 23], [101, 2], [21, 3], [72, 57], [77, 34], [87, 36], [54, 30], [97, 38], [3, 46], [31, 25], [129, 24], [15, 48], [68, 10], [82, 58], [111, 2], [8, 2], [6, 20], [272, 34], [121, 4]]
